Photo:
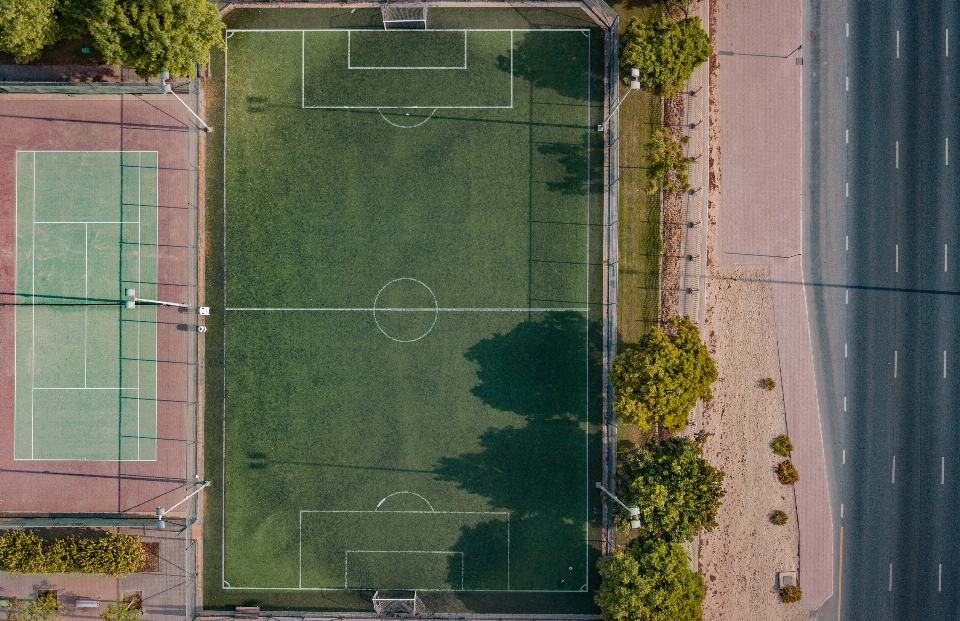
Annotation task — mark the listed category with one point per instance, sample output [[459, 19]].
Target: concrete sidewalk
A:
[[760, 223]]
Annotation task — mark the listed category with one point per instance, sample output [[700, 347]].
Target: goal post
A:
[[397, 605], [404, 16]]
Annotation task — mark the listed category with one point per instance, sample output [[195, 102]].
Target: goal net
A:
[[404, 16], [393, 605]]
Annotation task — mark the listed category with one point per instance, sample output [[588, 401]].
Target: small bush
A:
[[769, 383], [787, 472], [44, 608], [121, 610], [778, 517], [782, 446], [24, 552], [790, 594]]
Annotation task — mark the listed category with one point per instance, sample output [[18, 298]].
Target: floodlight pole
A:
[[633, 511], [132, 293], [161, 511], [634, 86], [167, 89]]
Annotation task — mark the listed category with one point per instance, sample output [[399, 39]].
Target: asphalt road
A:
[[882, 260]]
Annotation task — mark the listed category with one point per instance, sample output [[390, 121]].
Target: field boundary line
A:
[[413, 310], [346, 561]]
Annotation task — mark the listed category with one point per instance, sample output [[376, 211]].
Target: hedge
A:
[[24, 552]]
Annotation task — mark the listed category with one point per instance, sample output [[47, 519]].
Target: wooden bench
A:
[[247, 612]]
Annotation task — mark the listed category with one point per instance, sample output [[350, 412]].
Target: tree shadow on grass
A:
[[534, 471], [573, 158], [546, 61]]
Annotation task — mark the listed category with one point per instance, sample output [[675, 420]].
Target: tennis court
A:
[[411, 235], [85, 366]]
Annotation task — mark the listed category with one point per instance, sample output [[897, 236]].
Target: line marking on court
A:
[[844, 404], [893, 471], [33, 292], [846, 189], [898, 44], [944, 364], [846, 293], [841, 510], [411, 310], [844, 458], [943, 467], [346, 557], [848, 135], [894, 364], [939, 577], [86, 296], [890, 583], [848, 83], [845, 350], [946, 152], [945, 257], [412, 493], [848, 29], [897, 154], [407, 126], [946, 51], [896, 258], [350, 65]]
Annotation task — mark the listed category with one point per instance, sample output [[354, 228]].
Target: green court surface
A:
[[85, 366], [412, 245]]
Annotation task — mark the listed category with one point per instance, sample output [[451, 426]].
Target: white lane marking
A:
[[944, 364], [890, 583], [898, 44], [946, 51], [893, 471], [944, 257], [844, 462], [844, 350], [939, 577], [841, 511], [847, 293], [848, 29], [844, 404], [848, 242], [946, 151], [847, 189], [894, 370], [896, 259], [848, 135], [897, 147], [848, 83], [943, 467]]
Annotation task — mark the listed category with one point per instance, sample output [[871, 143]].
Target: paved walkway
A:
[[760, 222]]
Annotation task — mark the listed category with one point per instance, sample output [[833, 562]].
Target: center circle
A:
[[405, 310]]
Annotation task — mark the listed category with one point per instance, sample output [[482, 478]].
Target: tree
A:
[[666, 163], [660, 380], [665, 51], [121, 610], [114, 554], [678, 492], [156, 35], [675, 8], [650, 581], [26, 26], [44, 608]]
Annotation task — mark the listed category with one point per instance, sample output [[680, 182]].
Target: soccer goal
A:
[[393, 605], [406, 16]]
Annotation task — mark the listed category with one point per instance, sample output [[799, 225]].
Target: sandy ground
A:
[[739, 560]]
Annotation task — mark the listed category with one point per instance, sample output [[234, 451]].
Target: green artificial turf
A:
[[411, 398]]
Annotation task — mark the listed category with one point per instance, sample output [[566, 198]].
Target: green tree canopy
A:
[[678, 492], [650, 581], [665, 51], [156, 35], [44, 608], [660, 380], [26, 26], [121, 610], [666, 163]]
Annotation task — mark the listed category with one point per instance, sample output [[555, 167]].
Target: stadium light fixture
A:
[[166, 89], [132, 303], [634, 86], [162, 512], [633, 511]]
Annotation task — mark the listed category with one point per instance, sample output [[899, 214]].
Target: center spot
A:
[[405, 310]]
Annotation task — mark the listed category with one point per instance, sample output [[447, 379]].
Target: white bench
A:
[[87, 603]]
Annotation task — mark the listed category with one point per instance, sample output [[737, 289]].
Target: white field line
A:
[[425, 309], [890, 583], [898, 44], [894, 364], [943, 467], [893, 471]]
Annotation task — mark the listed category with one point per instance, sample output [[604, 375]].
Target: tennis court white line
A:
[[350, 65], [33, 309], [81, 388], [82, 222], [429, 309], [86, 295]]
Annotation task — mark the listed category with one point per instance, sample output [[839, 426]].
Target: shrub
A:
[[790, 594], [121, 610], [769, 383], [787, 472], [782, 445], [115, 554], [666, 163], [44, 608], [778, 517]]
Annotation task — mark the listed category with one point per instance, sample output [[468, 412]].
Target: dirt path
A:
[[739, 560]]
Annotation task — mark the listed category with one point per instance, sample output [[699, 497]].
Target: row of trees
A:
[[47, 608], [113, 554], [149, 35]]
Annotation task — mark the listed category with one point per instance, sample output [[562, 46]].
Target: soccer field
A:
[[411, 252]]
